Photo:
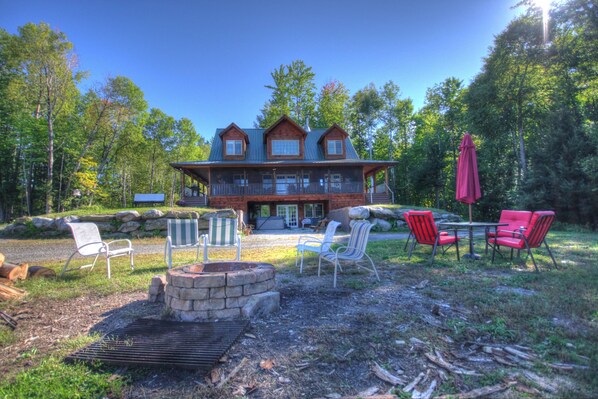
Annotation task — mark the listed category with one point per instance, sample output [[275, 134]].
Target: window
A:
[[240, 181], [335, 147], [264, 210], [285, 147], [234, 147], [313, 210]]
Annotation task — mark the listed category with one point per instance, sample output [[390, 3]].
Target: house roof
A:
[[256, 150]]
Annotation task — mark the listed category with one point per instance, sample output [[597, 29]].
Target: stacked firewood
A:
[[10, 272]]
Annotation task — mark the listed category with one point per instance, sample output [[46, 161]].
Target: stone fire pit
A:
[[221, 290]]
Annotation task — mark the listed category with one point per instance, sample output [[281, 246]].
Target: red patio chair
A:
[[410, 236], [425, 232], [516, 220], [529, 238]]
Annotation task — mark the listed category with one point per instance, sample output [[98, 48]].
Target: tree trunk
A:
[[40, 271], [50, 175]]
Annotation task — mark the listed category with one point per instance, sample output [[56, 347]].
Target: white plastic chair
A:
[[353, 251], [315, 244], [89, 243], [222, 232], [182, 233]]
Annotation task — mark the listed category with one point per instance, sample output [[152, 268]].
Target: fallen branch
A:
[[427, 393], [476, 393], [448, 366], [413, 383], [233, 372], [386, 376], [567, 366], [519, 354]]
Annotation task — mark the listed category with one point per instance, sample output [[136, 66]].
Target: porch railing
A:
[[286, 189]]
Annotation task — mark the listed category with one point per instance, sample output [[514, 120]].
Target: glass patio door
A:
[[290, 214]]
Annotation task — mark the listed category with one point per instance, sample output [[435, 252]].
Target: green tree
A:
[[48, 66], [331, 104], [293, 94]]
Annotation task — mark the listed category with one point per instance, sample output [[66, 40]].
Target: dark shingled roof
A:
[[256, 149]]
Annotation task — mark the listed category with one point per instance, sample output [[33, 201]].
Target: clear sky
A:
[[209, 60]]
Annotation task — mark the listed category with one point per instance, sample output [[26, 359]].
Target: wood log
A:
[[7, 292], [40, 271], [11, 272], [1, 258]]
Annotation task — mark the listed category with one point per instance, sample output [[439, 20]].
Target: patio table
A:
[[470, 226]]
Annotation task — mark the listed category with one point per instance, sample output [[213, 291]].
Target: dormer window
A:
[[285, 147], [335, 147], [234, 147]]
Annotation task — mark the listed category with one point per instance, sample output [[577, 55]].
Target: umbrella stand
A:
[[471, 255]]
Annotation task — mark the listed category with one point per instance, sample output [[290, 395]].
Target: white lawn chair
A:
[[353, 251], [89, 243], [222, 233], [315, 244], [182, 233]]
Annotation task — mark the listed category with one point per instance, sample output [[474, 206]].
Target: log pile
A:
[[10, 272]]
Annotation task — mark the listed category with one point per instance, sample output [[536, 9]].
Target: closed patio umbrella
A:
[[468, 182]]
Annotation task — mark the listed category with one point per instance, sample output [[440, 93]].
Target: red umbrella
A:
[[468, 182]]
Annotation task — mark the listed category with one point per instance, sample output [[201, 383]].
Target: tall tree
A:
[[293, 94], [331, 104], [49, 70], [365, 109]]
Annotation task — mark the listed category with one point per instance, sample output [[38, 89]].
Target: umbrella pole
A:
[[472, 255]]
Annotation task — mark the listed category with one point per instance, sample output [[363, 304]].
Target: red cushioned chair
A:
[[529, 238], [425, 232], [516, 220], [410, 236]]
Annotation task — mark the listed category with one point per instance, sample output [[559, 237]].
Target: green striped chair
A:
[[354, 251], [182, 233], [222, 232]]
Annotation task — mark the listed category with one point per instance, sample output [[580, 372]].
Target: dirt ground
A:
[[323, 343]]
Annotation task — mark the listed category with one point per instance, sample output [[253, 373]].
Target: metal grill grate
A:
[[148, 342]]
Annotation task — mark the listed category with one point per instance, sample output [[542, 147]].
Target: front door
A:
[[289, 213]]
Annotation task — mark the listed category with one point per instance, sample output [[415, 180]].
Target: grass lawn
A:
[[554, 312]]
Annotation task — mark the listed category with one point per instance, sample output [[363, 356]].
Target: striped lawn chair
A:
[[222, 232], [353, 251], [315, 244], [182, 233]]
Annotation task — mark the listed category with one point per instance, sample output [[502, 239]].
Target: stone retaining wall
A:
[[121, 224], [383, 219]]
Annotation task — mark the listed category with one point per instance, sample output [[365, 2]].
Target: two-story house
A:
[[285, 171]]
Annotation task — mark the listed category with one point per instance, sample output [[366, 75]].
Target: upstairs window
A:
[[234, 147], [335, 147], [285, 147]]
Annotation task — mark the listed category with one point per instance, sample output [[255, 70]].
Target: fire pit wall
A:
[[232, 290]]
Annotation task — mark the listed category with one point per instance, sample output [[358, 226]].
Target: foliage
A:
[[57, 140]]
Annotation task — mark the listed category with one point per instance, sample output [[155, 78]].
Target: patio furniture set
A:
[[517, 230]]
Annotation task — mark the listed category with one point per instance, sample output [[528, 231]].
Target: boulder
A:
[[182, 215], [156, 224], [15, 230], [106, 227], [359, 212], [152, 214], [224, 213], [129, 227], [261, 304], [43, 223], [22, 220], [381, 224], [61, 223], [382, 213], [97, 218], [127, 216]]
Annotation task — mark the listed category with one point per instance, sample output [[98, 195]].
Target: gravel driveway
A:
[[58, 249]]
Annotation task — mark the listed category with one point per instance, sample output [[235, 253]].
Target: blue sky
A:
[[209, 60]]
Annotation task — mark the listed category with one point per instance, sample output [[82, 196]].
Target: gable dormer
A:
[[234, 143], [285, 139], [333, 143]]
